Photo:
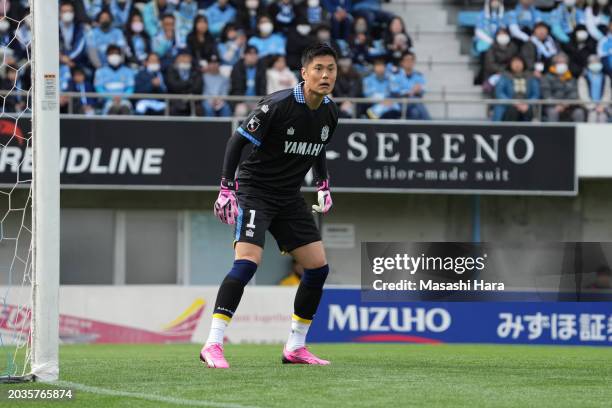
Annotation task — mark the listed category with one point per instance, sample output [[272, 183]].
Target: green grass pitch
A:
[[361, 375]]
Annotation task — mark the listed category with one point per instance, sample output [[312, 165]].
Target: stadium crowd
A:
[[547, 49], [214, 48], [528, 49]]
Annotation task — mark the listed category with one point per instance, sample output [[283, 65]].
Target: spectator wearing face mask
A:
[[539, 51], [185, 14], [595, 90], [150, 80], [409, 83], [559, 83], [183, 78], [396, 39], [100, 37], [564, 20], [215, 84], [138, 40], [377, 85], [267, 42], [165, 43], [231, 47], [497, 59], [598, 16], [283, 13], [249, 15], [115, 78], [248, 78], [341, 18], [298, 38], [152, 12], [313, 12], [604, 50], [120, 10], [580, 47], [348, 85], [71, 37], [522, 19], [489, 21], [218, 15], [515, 84], [279, 76]]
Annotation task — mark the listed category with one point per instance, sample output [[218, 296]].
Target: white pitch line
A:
[[148, 397]]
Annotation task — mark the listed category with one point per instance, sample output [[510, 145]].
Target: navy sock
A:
[[232, 288], [309, 292]]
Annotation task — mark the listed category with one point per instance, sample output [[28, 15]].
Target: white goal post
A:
[[45, 190]]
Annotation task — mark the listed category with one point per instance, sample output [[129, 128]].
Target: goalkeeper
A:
[[289, 130]]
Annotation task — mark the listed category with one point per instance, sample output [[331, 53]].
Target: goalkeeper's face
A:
[[320, 74]]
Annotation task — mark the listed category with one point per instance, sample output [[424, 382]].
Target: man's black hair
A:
[[112, 48], [317, 50], [406, 53]]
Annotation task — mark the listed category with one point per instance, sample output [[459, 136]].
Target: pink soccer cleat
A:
[[302, 356], [212, 356]]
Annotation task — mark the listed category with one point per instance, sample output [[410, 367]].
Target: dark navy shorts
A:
[[288, 219]]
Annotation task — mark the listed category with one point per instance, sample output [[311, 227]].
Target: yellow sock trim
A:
[[222, 317], [299, 319]]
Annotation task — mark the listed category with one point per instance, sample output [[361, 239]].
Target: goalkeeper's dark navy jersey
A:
[[288, 137]]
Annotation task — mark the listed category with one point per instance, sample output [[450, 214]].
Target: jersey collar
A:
[[298, 94]]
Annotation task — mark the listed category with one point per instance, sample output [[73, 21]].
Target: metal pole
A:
[[45, 191]]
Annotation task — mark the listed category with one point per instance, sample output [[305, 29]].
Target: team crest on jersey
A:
[[290, 131], [325, 133], [265, 109], [253, 124]]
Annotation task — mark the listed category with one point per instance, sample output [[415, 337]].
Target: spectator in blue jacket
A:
[[522, 19], [408, 83], [152, 12], [218, 15], [138, 40], [215, 84], [313, 12], [150, 80], [372, 11], [165, 43], [83, 104], [121, 10], [564, 20], [101, 37], [283, 14], [377, 85], [231, 47], [115, 78], [267, 42], [93, 8], [594, 89], [185, 15], [604, 50], [341, 18], [489, 21], [71, 37], [516, 84], [598, 16]]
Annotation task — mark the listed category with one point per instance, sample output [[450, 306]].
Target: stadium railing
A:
[[447, 98]]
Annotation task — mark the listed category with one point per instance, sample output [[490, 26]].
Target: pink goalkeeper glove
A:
[[226, 206], [324, 197]]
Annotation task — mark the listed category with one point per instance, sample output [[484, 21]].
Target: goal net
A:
[[29, 190]]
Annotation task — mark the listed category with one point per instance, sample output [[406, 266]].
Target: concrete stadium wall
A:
[[410, 217]]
